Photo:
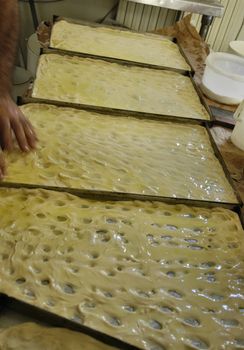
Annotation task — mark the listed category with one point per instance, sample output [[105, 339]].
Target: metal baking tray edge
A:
[[123, 196], [220, 158], [27, 98], [202, 99], [55, 320], [240, 212], [120, 60]]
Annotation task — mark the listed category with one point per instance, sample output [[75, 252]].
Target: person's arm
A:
[[11, 118]]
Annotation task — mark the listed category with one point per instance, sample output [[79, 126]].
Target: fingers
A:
[[2, 167], [24, 133], [19, 131], [30, 136], [29, 131], [12, 119], [31, 128]]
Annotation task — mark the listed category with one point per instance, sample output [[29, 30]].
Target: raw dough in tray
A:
[[30, 336], [111, 85], [115, 43], [155, 275], [84, 150]]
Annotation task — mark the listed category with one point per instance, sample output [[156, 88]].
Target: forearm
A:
[[11, 118], [9, 29]]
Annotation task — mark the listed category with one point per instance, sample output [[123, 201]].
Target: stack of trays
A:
[[148, 253]]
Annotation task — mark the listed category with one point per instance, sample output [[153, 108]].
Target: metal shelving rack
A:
[[33, 13], [208, 8]]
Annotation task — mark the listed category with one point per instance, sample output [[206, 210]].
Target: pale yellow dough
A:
[[155, 275], [115, 43], [30, 336], [84, 150], [99, 83]]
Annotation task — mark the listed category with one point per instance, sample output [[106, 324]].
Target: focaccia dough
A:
[[30, 336], [103, 84], [116, 43], [91, 151], [155, 275]]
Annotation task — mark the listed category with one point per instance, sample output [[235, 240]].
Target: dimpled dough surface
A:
[[104, 84], [144, 48], [101, 152], [155, 275], [30, 336]]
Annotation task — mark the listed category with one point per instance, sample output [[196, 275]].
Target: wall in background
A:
[[91, 10], [229, 27], [144, 18], [223, 30], [241, 34]]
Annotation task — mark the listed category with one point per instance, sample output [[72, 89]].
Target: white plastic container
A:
[[237, 47], [237, 136], [33, 52], [21, 81], [223, 78]]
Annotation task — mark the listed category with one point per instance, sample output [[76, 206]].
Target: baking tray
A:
[[223, 164], [26, 309], [112, 195], [45, 317], [57, 18], [27, 98]]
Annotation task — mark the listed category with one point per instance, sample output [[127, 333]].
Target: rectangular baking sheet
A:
[[204, 114], [214, 148], [107, 193], [118, 60], [205, 259], [25, 312], [28, 96]]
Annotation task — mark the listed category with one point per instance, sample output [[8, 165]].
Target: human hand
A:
[[12, 119], [2, 167]]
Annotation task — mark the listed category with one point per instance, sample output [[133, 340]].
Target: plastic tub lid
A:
[[227, 65], [237, 46]]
